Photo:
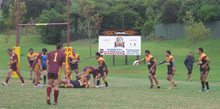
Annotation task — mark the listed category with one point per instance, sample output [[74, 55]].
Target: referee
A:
[[189, 65]]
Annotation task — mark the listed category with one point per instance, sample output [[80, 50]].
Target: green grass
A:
[[128, 84]]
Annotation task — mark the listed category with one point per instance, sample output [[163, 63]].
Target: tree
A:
[[195, 32], [121, 8], [91, 20], [12, 21], [209, 13]]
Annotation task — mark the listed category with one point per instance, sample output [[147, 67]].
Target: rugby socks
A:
[[44, 79], [7, 79], [22, 79], [106, 83], [38, 82], [56, 93], [98, 82], [174, 83], [207, 84], [48, 91], [152, 84], [158, 85], [203, 85]]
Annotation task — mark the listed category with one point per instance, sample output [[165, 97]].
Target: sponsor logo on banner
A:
[[119, 42]]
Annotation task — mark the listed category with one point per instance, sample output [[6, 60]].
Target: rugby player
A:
[[204, 69], [102, 70], [74, 61], [81, 82], [171, 68], [37, 67], [90, 70], [44, 67], [14, 66], [30, 60], [152, 63], [55, 61]]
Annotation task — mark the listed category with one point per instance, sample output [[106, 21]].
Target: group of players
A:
[[152, 63], [56, 61]]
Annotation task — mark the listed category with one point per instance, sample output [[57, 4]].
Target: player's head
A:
[[31, 50], [9, 51], [44, 50], [191, 54], [60, 46], [147, 52], [73, 51], [97, 55], [200, 50], [86, 78], [168, 53]]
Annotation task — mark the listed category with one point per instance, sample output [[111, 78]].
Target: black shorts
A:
[[44, 68], [171, 72], [153, 72], [53, 76], [73, 66], [190, 71], [204, 72], [76, 84], [31, 63], [103, 73]]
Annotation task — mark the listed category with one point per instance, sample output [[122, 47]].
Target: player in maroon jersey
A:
[[14, 66], [90, 70], [55, 60], [37, 67]]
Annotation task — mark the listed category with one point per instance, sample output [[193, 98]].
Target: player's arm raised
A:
[[139, 61]]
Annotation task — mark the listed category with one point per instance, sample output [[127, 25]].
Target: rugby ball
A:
[[136, 62]]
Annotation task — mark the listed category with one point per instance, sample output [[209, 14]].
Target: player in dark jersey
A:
[[55, 61], [30, 59], [102, 69], [81, 82], [14, 66], [204, 69], [37, 67], [74, 61], [90, 70], [171, 68], [152, 63]]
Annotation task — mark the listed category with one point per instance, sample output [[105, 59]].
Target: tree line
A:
[[140, 15]]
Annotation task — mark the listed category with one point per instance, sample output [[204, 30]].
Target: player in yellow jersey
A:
[[30, 59], [171, 68], [204, 69], [152, 63], [74, 61]]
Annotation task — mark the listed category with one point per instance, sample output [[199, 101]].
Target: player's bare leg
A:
[[65, 81], [31, 72], [21, 78], [98, 80], [202, 82], [8, 77], [70, 72], [105, 80], [69, 86], [76, 70], [151, 80], [206, 81], [49, 88], [189, 76], [45, 73], [56, 91], [156, 80], [37, 78]]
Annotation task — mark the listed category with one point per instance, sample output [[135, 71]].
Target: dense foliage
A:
[[120, 14]]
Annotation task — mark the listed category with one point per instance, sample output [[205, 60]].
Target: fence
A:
[[177, 30]]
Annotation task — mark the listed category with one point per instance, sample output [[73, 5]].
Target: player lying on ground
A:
[[81, 82], [90, 70], [152, 63], [171, 68], [102, 69], [204, 69], [14, 66]]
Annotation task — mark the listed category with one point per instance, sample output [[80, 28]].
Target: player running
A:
[[30, 60], [171, 68], [74, 61], [14, 66], [90, 70], [37, 67], [152, 63], [81, 82], [102, 70], [204, 69], [55, 60]]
